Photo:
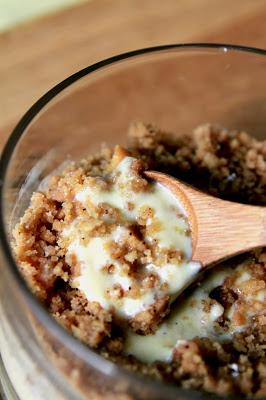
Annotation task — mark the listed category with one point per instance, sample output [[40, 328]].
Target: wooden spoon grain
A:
[[220, 229]]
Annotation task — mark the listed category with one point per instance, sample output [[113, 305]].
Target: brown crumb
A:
[[224, 163], [147, 321]]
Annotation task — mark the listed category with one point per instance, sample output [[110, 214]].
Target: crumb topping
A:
[[219, 335], [130, 259]]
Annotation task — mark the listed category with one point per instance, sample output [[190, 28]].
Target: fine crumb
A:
[[228, 164]]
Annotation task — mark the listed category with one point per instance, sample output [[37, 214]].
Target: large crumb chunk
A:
[[147, 321]]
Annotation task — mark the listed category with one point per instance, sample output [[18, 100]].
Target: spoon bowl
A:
[[219, 228]]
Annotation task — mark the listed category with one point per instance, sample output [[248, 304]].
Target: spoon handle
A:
[[223, 228]]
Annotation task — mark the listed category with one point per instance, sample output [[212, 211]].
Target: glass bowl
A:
[[176, 87]]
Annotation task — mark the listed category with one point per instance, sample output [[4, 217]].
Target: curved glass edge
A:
[[87, 355], [7, 391]]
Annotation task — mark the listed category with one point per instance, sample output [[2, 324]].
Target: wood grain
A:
[[37, 55], [220, 229]]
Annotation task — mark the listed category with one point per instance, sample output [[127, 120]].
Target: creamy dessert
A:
[[108, 252], [211, 312], [129, 244]]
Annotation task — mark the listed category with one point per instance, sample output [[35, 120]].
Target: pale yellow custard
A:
[[163, 226]]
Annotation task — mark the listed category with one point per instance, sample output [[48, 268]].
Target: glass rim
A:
[[86, 354]]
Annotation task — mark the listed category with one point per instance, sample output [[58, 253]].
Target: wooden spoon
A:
[[220, 229]]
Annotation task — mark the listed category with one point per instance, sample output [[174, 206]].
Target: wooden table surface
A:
[[37, 55]]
